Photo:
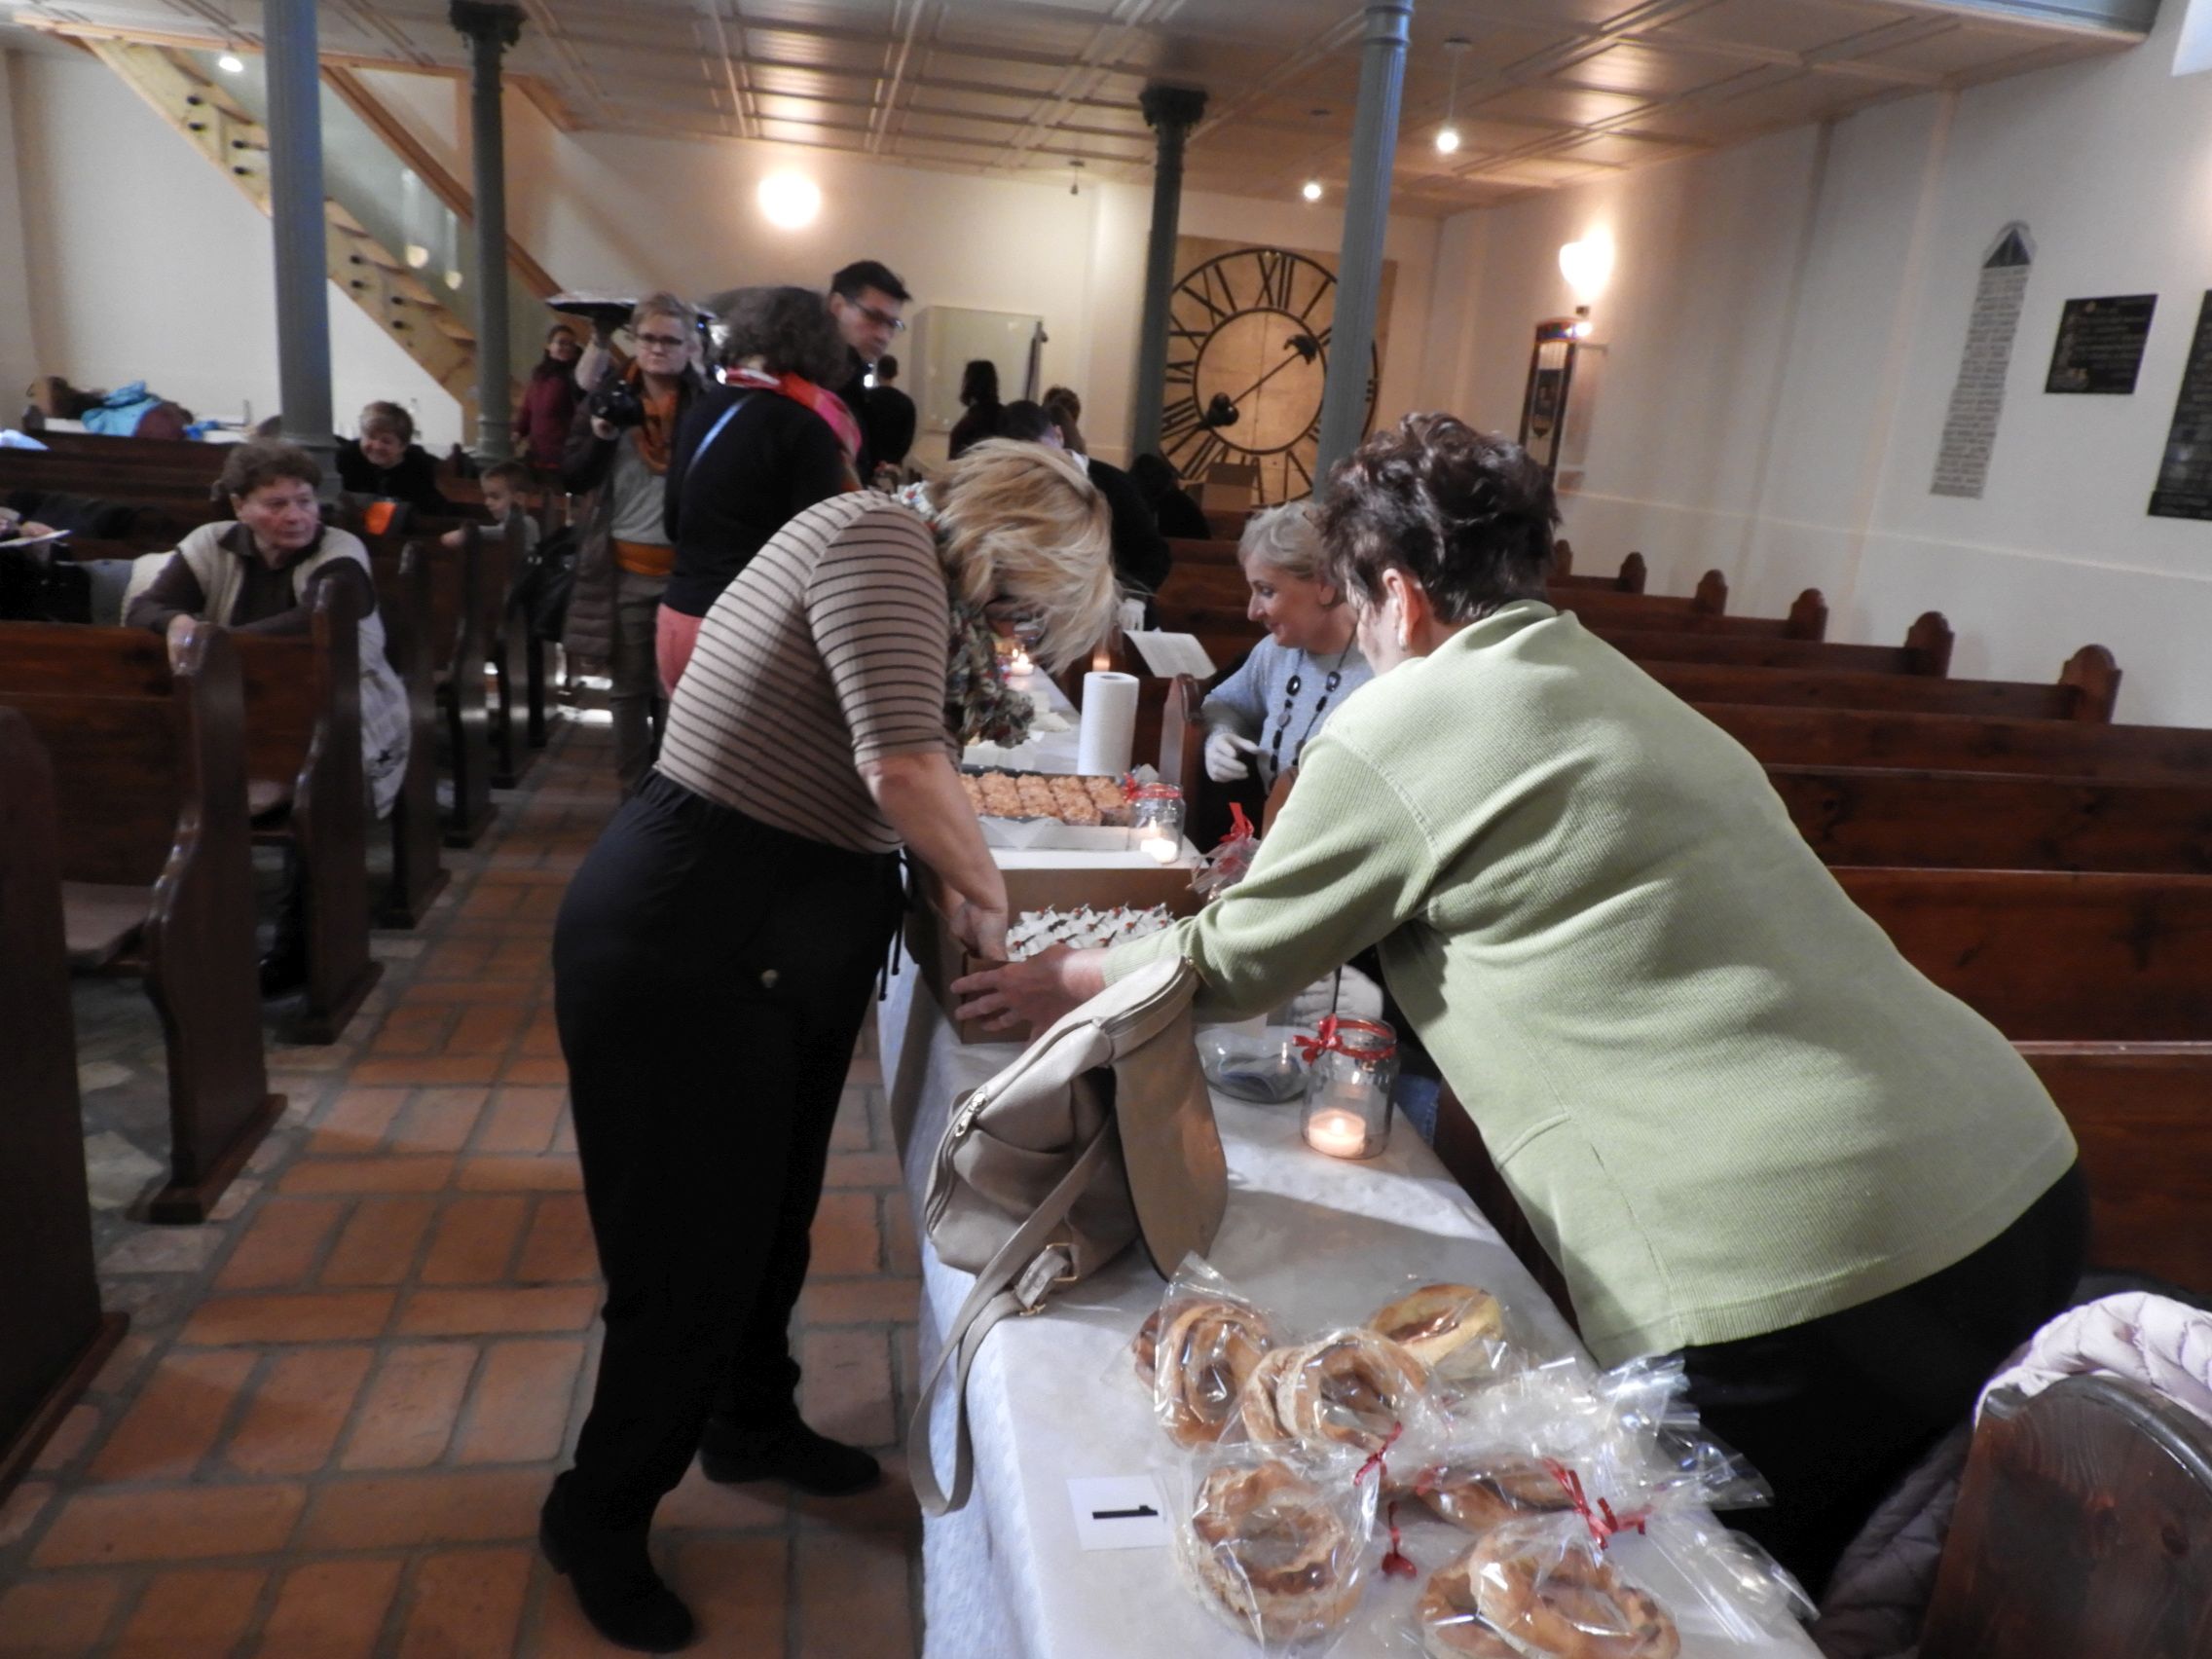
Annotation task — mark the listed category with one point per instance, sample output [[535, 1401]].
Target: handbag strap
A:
[[1014, 1280]]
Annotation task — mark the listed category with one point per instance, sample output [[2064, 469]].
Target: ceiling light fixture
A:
[[790, 201], [231, 63], [1075, 177], [1311, 190], [1447, 136]]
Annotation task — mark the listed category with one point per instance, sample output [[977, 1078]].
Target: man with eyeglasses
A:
[[869, 302]]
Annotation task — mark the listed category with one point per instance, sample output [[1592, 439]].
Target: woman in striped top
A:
[[713, 954]]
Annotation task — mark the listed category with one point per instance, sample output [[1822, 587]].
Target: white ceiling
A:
[[1550, 91]]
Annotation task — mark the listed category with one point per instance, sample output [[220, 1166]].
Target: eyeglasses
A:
[[882, 318], [667, 341]]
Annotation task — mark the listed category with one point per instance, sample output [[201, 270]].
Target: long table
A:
[[1054, 1399]]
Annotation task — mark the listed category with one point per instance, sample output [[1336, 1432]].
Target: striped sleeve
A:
[[882, 623]]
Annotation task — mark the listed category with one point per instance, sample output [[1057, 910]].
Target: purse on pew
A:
[[1100, 1133]]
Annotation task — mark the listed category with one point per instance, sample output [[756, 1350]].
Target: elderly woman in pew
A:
[[1744, 1127], [258, 572]]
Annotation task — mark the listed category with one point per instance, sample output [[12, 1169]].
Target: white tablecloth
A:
[[1054, 1398]]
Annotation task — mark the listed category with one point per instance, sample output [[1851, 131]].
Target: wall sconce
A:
[[790, 201], [1311, 190], [1587, 265]]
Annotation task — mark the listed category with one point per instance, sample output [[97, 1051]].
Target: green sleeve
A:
[[1348, 862]]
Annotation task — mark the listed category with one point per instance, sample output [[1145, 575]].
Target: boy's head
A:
[[387, 430], [506, 489]]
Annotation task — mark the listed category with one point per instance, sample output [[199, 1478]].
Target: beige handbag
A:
[[1101, 1132]]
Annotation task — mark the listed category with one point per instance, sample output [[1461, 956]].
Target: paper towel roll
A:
[[1109, 725]]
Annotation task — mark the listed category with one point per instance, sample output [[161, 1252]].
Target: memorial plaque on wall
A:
[[1978, 397], [2184, 477], [2100, 344]]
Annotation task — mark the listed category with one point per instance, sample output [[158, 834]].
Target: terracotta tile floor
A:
[[329, 1429]]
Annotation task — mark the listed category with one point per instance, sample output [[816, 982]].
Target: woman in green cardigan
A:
[[1744, 1127]]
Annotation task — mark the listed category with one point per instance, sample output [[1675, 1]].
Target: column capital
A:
[[1179, 107], [487, 23]]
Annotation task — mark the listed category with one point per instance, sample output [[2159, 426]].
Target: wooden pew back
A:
[[1964, 742], [2083, 691], [1926, 649]]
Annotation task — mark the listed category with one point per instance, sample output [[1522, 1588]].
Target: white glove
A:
[[1223, 749], [1361, 998]]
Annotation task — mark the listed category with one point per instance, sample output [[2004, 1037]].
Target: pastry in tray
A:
[[1069, 799]]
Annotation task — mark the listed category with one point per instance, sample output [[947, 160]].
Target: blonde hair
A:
[[1285, 538], [1020, 522], [663, 304]]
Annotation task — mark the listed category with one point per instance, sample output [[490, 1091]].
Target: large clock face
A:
[[1247, 358]]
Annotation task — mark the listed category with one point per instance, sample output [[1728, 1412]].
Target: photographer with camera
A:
[[617, 456]]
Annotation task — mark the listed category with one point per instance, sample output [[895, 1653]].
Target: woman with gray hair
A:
[[754, 453], [1265, 713]]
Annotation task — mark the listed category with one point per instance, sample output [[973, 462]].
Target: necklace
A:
[[1289, 706]]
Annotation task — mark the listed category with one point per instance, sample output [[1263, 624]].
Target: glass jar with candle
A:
[[1156, 821], [1350, 1066]]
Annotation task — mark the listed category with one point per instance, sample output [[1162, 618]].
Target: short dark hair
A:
[[511, 473], [854, 279], [789, 328], [1154, 476], [1026, 421], [259, 462], [1059, 397], [887, 367], [979, 382], [381, 417], [1468, 515]]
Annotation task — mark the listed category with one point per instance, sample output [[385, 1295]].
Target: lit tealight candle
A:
[[1160, 847], [1339, 1134], [1020, 667]]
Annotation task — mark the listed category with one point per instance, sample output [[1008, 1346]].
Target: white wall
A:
[[145, 263], [18, 350], [1784, 322]]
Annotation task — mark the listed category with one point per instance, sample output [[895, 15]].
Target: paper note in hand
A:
[[1169, 654]]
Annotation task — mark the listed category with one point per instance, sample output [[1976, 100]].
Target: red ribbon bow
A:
[[1331, 1041], [1239, 827], [1603, 1522]]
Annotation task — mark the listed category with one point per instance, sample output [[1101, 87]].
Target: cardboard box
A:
[[1229, 486], [943, 959]]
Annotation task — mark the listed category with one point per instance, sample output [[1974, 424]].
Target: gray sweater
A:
[[1257, 701]]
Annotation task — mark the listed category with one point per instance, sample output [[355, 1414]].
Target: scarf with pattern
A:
[[980, 705]]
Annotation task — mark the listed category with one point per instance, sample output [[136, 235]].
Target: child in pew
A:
[[508, 496]]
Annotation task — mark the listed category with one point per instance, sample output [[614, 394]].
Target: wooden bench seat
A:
[[1997, 821], [1966, 743], [1926, 649], [2085, 690], [55, 1333], [443, 594], [150, 795]]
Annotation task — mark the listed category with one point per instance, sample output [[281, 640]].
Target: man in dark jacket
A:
[[869, 302], [889, 421]]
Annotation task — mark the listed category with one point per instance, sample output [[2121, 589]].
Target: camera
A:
[[619, 404]]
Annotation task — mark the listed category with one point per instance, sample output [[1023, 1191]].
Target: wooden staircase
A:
[[374, 278]]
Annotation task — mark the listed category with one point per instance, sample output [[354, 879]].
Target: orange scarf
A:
[[657, 436]]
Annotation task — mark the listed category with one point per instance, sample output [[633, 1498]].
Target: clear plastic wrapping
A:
[[1276, 1543], [1458, 1331], [1199, 1351], [1231, 858]]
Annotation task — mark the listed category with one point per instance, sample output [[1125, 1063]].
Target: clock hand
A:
[[1298, 348]]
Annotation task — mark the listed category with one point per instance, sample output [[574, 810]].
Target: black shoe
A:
[[789, 1451], [625, 1599]]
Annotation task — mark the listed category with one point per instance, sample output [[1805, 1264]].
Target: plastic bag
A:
[[1276, 1543], [1266, 1067], [1197, 1351], [1554, 1468], [1225, 865], [1458, 1331], [1352, 1390]]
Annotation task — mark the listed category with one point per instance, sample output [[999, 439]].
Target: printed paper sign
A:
[[1169, 654], [1118, 1512]]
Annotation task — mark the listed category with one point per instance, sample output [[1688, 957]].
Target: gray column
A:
[[490, 29], [1366, 212], [295, 209], [1171, 112]]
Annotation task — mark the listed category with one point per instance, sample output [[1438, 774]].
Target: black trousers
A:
[[1836, 1411], [710, 977]]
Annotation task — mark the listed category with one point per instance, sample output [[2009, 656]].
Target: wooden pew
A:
[[158, 870], [2085, 690], [453, 640], [302, 724], [1703, 612], [1997, 820], [418, 869], [57, 1334], [1926, 649], [1966, 743], [1630, 579], [505, 633], [2080, 1530], [2138, 1112], [2055, 956]]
